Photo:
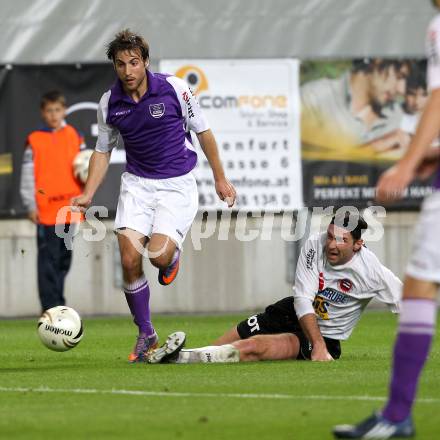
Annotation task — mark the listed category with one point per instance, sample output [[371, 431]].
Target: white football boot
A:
[[168, 352]]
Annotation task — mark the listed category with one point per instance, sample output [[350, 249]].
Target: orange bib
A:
[[55, 185]]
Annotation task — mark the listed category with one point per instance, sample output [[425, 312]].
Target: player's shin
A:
[[137, 295], [416, 328]]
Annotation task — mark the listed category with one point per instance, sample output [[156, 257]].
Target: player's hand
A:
[[226, 191], [427, 168], [81, 203], [393, 182], [320, 354], [33, 216]]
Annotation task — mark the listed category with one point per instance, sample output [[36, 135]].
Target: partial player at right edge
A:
[[419, 306]]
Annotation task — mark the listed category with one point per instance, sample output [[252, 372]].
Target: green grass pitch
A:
[[85, 393]]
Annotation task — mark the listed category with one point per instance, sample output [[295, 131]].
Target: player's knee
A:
[[130, 263]]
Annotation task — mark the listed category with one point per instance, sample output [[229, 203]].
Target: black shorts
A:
[[281, 318]]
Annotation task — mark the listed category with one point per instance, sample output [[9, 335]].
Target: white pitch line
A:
[[180, 394]]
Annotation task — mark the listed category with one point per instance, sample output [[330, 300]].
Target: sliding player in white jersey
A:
[[336, 277]]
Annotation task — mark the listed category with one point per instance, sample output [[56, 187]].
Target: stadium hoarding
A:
[[253, 108], [256, 123], [358, 117]]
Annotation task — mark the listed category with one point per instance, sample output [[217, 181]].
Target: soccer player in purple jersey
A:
[[154, 114], [419, 307]]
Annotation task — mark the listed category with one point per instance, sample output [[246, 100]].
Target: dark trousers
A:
[[53, 264]]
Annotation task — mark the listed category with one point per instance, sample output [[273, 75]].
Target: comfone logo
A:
[[198, 82], [195, 78], [58, 331]]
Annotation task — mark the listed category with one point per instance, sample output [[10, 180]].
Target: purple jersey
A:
[[155, 130]]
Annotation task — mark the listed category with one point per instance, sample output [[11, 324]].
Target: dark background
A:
[[21, 88]]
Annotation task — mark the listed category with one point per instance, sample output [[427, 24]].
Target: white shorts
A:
[[424, 263], [157, 206]]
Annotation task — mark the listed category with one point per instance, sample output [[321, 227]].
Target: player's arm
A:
[[309, 324], [389, 288], [394, 181], [27, 185], [196, 122], [98, 166], [306, 286], [224, 188], [100, 159]]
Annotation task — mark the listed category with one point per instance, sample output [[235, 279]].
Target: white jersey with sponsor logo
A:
[[339, 294]]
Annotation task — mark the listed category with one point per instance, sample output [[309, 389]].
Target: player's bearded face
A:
[[130, 68], [340, 245]]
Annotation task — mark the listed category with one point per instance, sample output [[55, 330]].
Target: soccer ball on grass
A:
[[60, 328]]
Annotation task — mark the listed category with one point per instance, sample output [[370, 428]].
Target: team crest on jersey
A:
[[345, 285], [157, 110]]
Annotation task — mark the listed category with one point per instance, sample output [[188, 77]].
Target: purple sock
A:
[[137, 295], [416, 328]]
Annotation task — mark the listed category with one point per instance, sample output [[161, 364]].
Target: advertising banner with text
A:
[[358, 118], [253, 109]]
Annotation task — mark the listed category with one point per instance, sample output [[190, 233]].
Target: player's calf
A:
[[168, 275]]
